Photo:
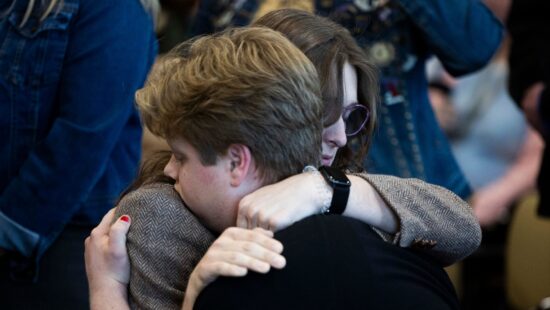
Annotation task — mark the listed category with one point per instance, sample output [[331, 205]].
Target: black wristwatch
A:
[[341, 184]]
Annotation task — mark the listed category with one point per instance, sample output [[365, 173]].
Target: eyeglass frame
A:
[[351, 108]]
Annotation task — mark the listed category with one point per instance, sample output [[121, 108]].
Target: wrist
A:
[[367, 205], [191, 292], [323, 192], [340, 185], [110, 294]]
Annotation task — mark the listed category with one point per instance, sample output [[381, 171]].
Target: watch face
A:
[[335, 176]]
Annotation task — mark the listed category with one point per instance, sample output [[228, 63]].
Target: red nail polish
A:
[[125, 218]]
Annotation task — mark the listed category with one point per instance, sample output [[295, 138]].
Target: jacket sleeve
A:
[[107, 58], [463, 34], [165, 242], [431, 218]]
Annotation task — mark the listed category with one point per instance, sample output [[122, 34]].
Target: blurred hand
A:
[[277, 206], [236, 251], [490, 206]]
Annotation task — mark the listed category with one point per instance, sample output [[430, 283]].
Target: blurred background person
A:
[[530, 76], [175, 18], [71, 136], [500, 155], [529, 61]]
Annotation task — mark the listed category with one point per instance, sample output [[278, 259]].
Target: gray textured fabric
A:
[[432, 219], [166, 240]]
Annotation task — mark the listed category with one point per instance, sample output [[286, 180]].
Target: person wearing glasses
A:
[[404, 212]]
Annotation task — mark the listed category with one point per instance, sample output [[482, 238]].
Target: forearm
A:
[[366, 205], [190, 298], [14, 237], [431, 218], [403, 211], [48, 192], [464, 34], [521, 176]]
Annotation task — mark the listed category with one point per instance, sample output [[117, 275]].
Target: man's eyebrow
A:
[[180, 154]]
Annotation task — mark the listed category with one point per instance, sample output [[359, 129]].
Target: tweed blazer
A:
[[166, 240]]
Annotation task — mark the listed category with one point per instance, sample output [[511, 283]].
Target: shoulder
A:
[[157, 203], [157, 212], [152, 197]]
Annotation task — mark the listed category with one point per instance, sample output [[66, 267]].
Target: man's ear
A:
[[240, 161]]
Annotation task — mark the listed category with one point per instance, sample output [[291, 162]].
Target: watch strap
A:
[[339, 200], [341, 187]]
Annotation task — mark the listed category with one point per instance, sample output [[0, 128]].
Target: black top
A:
[[334, 262]]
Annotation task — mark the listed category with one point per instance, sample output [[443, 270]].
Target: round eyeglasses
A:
[[355, 117]]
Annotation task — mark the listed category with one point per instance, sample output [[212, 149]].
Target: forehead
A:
[[180, 145], [349, 81]]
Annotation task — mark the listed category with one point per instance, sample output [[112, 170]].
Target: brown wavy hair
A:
[[329, 46], [247, 86]]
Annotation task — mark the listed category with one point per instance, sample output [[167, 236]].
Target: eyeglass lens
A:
[[355, 118]]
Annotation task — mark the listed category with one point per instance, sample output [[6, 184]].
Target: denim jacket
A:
[[69, 129], [398, 36]]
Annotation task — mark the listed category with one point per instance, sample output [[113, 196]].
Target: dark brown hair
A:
[[329, 46], [151, 170]]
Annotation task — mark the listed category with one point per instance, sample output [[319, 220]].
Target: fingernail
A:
[[279, 262], [125, 218]]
